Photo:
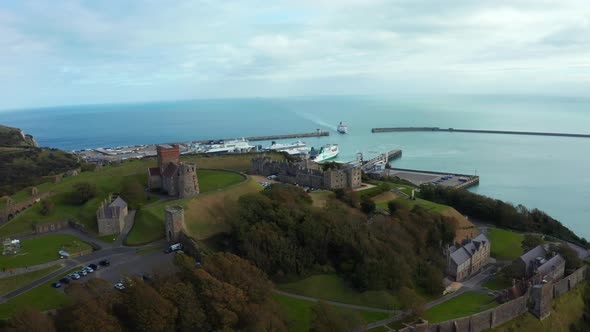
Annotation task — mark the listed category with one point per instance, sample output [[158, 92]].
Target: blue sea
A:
[[549, 173]]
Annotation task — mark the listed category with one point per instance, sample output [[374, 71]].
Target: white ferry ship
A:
[[326, 152], [235, 146], [282, 147], [342, 128]]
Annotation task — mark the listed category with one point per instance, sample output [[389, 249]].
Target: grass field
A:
[[298, 313], [9, 284], [203, 214], [505, 244], [496, 284], [44, 249], [463, 305], [332, 288], [43, 297], [565, 310], [110, 179]]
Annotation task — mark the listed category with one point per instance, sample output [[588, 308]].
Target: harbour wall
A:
[[478, 131], [473, 179], [317, 133]]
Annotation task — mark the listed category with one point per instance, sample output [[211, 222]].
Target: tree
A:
[[144, 309], [82, 193], [392, 207], [30, 319], [530, 242], [572, 261], [133, 193], [367, 205], [411, 301], [324, 318]]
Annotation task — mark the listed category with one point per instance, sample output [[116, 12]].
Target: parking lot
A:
[[419, 178]]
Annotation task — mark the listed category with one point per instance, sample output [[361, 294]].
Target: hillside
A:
[[14, 137], [23, 163]]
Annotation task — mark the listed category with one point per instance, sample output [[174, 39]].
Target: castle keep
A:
[[111, 216], [309, 174], [173, 177]]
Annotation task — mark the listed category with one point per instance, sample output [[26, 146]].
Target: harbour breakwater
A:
[[478, 131], [317, 133]]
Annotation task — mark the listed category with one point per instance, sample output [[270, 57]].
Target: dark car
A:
[[146, 277], [64, 280], [56, 284], [93, 266], [104, 262]]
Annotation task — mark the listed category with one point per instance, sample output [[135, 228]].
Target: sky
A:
[[96, 51]]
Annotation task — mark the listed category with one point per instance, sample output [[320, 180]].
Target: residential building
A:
[[467, 260]]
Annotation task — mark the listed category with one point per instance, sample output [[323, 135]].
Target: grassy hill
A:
[[23, 163]]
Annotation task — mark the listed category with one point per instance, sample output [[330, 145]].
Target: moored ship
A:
[[235, 146], [326, 152], [342, 128]]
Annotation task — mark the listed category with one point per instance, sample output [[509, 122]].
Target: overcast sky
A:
[[98, 51]]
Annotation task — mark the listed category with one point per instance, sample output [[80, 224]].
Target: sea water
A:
[[549, 173]]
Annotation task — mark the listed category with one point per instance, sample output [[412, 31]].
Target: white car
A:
[[119, 286], [82, 273], [88, 269], [75, 276]]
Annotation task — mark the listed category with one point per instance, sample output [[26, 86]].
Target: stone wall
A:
[[538, 300], [13, 210], [51, 227]]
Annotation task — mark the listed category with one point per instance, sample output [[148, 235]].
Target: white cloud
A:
[[74, 51]]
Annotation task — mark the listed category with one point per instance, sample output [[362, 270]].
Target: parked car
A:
[[146, 277], [82, 273], [65, 280], [174, 247], [104, 262], [75, 276], [88, 269], [56, 284], [93, 266], [119, 286]]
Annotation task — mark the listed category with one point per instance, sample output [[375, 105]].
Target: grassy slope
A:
[[108, 180], [505, 244], [9, 284], [43, 297], [463, 305], [44, 249], [332, 288], [203, 214], [565, 311], [298, 313]]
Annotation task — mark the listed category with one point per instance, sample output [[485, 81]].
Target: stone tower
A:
[[188, 183], [174, 215], [167, 154]]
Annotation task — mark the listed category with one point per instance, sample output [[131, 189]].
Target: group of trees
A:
[[227, 294], [500, 213], [82, 192], [25, 167], [284, 235]]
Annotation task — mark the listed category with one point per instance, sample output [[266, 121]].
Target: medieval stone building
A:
[[111, 216], [309, 174], [174, 216], [469, 259], [173, 177]]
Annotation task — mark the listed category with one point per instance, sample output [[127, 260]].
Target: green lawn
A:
[[110, 179], [148, 227], [466, 304], [9, 284], [505, 244], [43, 297], [332, 288], [203, 214], [496, 284], [298, 313], [43, 249], [215, 180]]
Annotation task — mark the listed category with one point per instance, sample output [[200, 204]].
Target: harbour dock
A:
[[382, 158], [419, 177], [504, 132]]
